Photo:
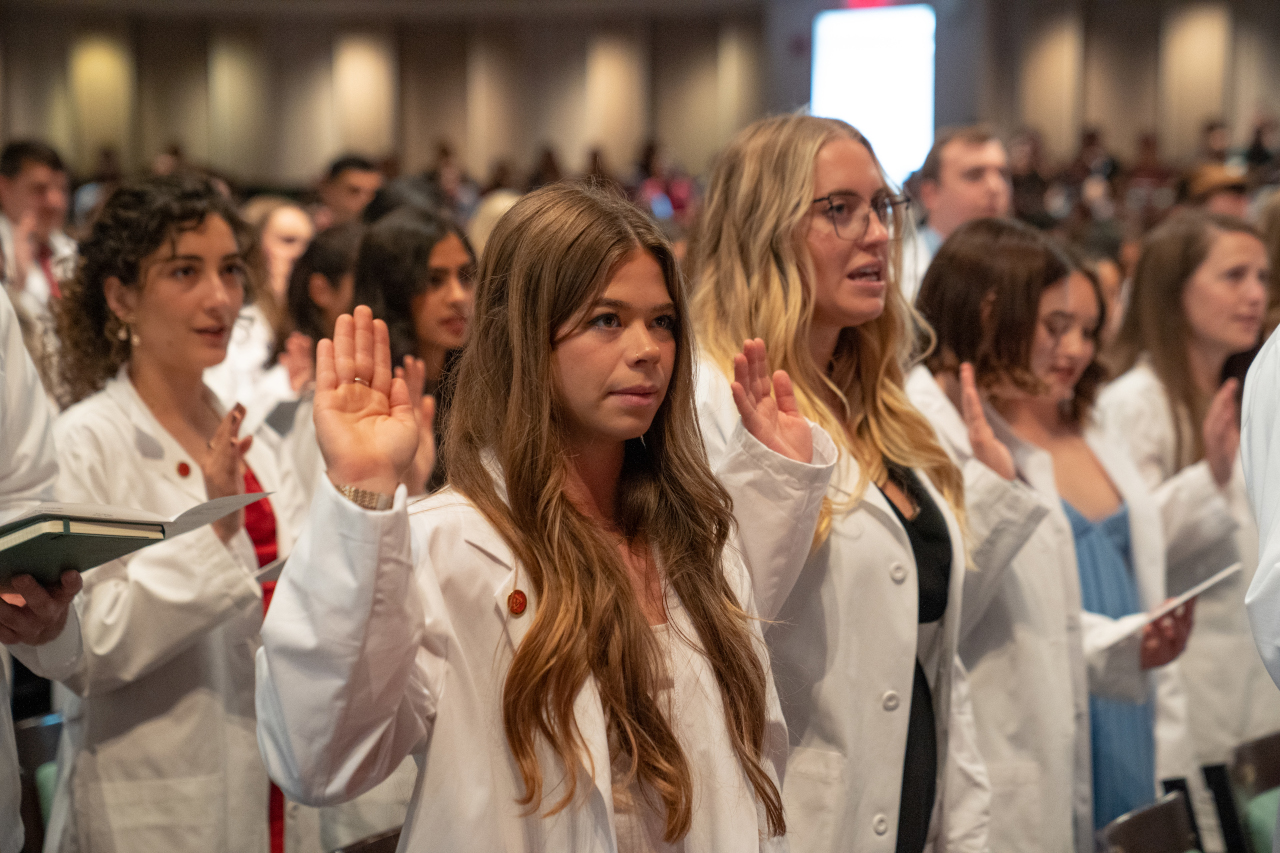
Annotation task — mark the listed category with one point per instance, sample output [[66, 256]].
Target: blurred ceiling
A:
[[451, 9]]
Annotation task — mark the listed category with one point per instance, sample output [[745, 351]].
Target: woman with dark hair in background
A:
[[158, 753], [416, 271], [1199, 297]]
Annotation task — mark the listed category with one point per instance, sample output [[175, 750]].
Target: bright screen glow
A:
[[874, 69]]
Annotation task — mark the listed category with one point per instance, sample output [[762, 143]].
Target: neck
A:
[[433, 358], [1035, 419], [1205, 363], [168, 393], [591, 482], [822, 344]]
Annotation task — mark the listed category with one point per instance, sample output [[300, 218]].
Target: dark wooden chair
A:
[[37, 739], [383, 842], [1163, 827], [1253, 770], [1235, 837]]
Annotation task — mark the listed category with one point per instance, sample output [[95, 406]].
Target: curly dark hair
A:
[[136, 221]]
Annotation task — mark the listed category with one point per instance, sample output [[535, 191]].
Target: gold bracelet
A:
[[366, 499]]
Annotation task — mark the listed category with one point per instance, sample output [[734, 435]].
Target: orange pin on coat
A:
[[517, 602]]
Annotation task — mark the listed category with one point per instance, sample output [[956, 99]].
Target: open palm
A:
[[366, 424], [768, 404]]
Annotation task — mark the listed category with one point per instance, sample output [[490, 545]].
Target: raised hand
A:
[[299, 360], [768, 406], [988, 449], [414, 374], [366, 424], [35, 615], [223, 469], [1164, 639], [1222, 432]]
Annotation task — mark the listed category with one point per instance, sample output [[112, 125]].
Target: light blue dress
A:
[[1123, 733]]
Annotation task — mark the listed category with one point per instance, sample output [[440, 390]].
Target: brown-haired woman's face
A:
[[442, 312], [612, 363], [1225, 299], [1066, 337], [285, 236], [849, 284], [191, 291]]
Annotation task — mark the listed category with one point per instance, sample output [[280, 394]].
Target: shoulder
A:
[[1137, 394], [96, 416], [448, 522]]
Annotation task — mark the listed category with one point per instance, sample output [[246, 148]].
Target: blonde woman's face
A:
[[1226, 297], [850, 277], [612, 363]]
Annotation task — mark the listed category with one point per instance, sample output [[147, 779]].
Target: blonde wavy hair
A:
[[548, 259], [751, 274]]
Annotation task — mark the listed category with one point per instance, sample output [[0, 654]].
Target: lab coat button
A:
[[880, 824], [890, 701], [898, 572], [183, 469]]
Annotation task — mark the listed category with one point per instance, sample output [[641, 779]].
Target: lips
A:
[[636, 395], [868, 272], [455, 325]]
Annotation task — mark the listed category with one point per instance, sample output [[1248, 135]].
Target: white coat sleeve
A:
[[352, 656], [1199, 528], [967, 811], [138, 612], [1260, 448], [28, 462], [1002, 515], [776, 501]]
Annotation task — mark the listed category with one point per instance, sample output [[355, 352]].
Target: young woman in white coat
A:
[[158, 751], [1032, 660], [1199, 296], [1032, 341], [796, 247], [566, 622]]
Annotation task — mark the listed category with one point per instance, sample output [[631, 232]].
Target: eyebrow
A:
[[177, 257], [621, 305]]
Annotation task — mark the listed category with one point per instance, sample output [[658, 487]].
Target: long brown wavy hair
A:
[[547, 260], [751, 270], [1155, 323]]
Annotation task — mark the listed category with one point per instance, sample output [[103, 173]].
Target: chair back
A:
[[1163, 827], [383, 842], [1255, 766]]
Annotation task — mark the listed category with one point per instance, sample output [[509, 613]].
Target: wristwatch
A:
[[366, 499]]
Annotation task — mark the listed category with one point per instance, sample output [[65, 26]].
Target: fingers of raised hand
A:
[[363, 344], [784, 393], [742, 378], [326, 373], [344, 348], [758, 360]]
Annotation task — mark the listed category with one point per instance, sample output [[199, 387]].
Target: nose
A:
[[222, 295], [642, 346], [459, 294], [877, 233], [1075, 343]]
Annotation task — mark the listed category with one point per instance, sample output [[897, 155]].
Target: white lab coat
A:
[[28, 469], [1020, 638], [158, 750], [1260, 452], [844, 648], [244, 375], [390, 635]]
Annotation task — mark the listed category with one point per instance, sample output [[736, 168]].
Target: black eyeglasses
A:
[[850, 213]]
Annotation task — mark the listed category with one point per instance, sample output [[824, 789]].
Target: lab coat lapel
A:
[[1145, 525], [587, 709], [155, 445]]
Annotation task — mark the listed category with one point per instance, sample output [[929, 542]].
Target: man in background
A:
[[351, 184], [37, 254], [964, 177]]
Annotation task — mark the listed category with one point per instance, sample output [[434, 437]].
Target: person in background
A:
[[1269, 225], [619, 695], [964, 177], [491, 209], [36, 255], [863, 635], [416, 271], [320, 290], [266, 365], [1218, 188], [350, 184], [158, 752], [38, 626], [1199, 297]]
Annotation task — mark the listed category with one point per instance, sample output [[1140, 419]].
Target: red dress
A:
[[260, 524]]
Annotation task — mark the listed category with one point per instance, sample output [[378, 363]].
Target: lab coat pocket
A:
[[814, 780], [1015, 791]]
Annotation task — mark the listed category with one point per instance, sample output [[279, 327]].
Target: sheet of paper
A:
[[1172, 604], [209, 511], [271, 571]]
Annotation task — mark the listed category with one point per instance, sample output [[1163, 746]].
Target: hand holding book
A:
[[34, 615]]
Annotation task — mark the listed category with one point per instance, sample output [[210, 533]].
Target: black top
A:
[[931, 546]]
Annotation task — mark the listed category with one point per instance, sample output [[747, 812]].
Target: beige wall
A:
[[273, 100]]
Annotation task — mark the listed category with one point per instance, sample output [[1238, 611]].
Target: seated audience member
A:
[[1032, 341], [264, 365], [417, 272], [350, 184], [37, 626], [864, 643], [965, 176], [320, 290], [1199, 297], [619, 696], [1217, 188], [158, 753], [1269, 224], [36, 255]]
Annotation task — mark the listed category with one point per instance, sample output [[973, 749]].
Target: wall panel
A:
[[173, 89]]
